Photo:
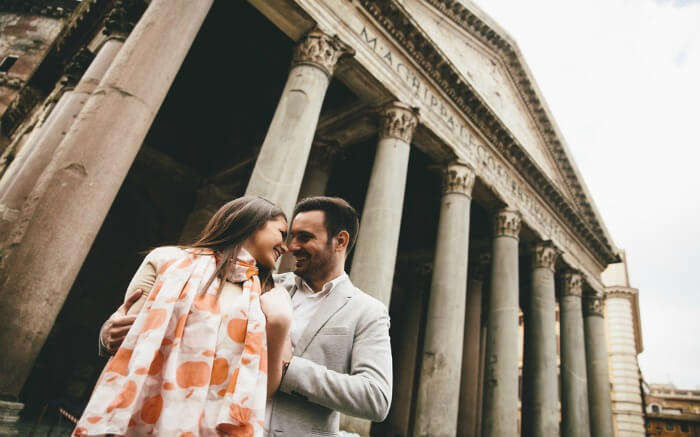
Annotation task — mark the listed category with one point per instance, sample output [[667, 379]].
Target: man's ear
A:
[[343, 239]]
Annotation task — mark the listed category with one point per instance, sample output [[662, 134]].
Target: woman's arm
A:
[[277, 306]]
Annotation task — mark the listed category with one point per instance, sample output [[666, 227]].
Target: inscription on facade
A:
[[478, 153]]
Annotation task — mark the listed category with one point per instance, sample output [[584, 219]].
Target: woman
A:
[[195, 361]]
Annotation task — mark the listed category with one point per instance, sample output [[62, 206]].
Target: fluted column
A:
[[574, 396], [599, 401], [500, 411], [59, 222], [469, 382], [280, 166], [540, 389], [438, 390], [375, 254]]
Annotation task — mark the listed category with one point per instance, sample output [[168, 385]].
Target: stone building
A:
[[624, 335], [671, 411], [129, 123]]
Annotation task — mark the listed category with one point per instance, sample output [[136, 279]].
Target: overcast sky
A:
[[622, 78]]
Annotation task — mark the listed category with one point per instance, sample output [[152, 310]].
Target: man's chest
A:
[[305, 307]]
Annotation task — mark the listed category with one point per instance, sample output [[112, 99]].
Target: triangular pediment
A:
[[487, 74]]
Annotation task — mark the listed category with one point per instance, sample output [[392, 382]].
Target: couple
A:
[[208, 342]]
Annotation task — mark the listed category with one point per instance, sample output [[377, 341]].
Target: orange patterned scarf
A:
[[185, 368]]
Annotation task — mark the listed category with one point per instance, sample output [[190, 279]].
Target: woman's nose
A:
[[284, 248]]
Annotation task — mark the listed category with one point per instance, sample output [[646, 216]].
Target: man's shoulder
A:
[[366, 301]]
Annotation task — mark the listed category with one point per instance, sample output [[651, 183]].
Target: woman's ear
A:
[[343, 239]]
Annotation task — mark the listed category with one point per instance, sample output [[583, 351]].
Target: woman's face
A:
[[266, 245]]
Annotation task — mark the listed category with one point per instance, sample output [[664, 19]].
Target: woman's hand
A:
[[277, 306]]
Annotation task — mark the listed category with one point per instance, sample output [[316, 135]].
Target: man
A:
[[341, 358]]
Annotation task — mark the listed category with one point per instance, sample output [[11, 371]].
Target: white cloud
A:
[[622, 78]]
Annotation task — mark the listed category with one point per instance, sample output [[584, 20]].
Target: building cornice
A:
[[494, 38], [398, 23], [48, 8]]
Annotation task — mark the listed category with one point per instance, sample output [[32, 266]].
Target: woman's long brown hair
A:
[[229, 228]]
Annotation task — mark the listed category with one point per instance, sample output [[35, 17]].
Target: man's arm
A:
[[114, 329], [366, 391]]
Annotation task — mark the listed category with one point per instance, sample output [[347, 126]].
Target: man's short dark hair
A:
[[339, 215]]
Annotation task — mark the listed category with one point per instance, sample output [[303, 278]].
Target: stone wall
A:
[[29, 38], [624, 369]]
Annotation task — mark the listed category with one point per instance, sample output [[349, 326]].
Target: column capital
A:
[[506, 223], [74, 70], [571, 283], [123, 17], [592, 304], [320, 50], [398, 120], [544, 255], [458, 177]]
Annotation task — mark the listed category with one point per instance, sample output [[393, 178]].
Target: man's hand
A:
[[118, 324]]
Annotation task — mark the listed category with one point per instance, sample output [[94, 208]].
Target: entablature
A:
[[394, 59]]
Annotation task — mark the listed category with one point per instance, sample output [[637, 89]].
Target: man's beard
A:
[[317, 265]]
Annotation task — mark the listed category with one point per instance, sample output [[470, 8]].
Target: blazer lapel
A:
[[335, 301]]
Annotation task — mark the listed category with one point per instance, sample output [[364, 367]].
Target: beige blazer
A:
[[342, 363]]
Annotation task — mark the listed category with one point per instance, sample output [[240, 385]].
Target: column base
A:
[[9, 416]]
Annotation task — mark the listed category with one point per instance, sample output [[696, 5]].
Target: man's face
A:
[[309, 243]]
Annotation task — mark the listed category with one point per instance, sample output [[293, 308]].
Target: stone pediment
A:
[[547, 162], [489, 76]]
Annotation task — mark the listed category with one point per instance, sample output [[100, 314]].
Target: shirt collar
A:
[[327, 287]]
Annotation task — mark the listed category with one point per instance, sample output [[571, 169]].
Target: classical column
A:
[[540, 383], [469, 382], [482, 362], [574, 393], [599, 402], [318, 169], [280, 166], [17, 151], [438, 390], [54, 130], [375, 254], [500, 410], [315, 182], [407, 350], [59, 222]]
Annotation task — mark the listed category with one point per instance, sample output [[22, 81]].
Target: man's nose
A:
[[293, 245]]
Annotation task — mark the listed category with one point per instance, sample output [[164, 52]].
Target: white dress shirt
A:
[[305, 302]]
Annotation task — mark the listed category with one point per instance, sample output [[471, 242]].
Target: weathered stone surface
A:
[[41, 150], [378, 239], [574, 401], [438, 394], [599, 401], [74, 194], [500, 412], [279, 169], [540, 389]]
